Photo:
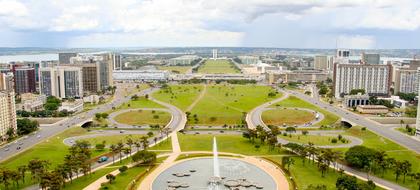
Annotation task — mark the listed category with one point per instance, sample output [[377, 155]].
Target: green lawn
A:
[[287, 116], [180, 96], [226, 104], [217, 66], [175, 69], [225, 143], [130, 91], [84, 181], [293, 101], [142, 102], [164, 145], [305, 174], [315, 139], [52, 149], [394, 150], [141, 117], [122, 180], [114, 139]]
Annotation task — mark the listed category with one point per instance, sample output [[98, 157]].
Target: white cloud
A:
[[11, 8], [356, 42]]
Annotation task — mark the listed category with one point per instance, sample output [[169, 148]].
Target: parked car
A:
[[102, 159]]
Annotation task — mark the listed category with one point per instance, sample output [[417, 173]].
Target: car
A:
[[21, 143], [18, 148], [122, 131], [7, 149], [38, 136], [102, 159]]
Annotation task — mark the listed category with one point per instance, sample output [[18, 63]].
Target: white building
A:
[[7, 106], [246, 59], [183, 60], [61, 81], [214, 53], [418, 112], [374, 79], [323, 62], [140, 75], [342, 56], [31, 102], [72, 106]]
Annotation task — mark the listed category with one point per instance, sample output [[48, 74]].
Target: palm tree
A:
[[144, 142], [110, 177], [120, 147], [323, 168], [130, 143], [114, 150], [406, 168], [137, 144], [22, 170], [15, 176]]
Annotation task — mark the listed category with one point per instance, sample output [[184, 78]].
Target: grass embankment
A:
[[218, 67], [180, 96], [287, 116], [141, 117]]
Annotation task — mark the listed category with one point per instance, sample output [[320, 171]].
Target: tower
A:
[[214, 54], [418, 110]]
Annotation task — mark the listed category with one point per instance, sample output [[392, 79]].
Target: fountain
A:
[[215, 180]]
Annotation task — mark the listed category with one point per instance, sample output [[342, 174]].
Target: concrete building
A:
[[183, 60], [214, 51], [105, 71], [418, 114], [64, 58], [405, 81], [342, 56], [25, 80], [355, 100], [7, 106], [61, 81], [117, 61], [372, 109], [374, 79], [140, 75], [371, 58], [396, 101], [31, 102], [246, 59], [72, 106]]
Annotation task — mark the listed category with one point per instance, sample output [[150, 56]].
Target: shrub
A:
[[334, 140]]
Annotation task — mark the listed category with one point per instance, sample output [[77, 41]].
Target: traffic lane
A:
[[360, 120]]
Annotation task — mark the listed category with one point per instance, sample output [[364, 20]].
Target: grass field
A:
[[225, 143], [180, 96], [142, 117], [226, 104], [394, 150], [52, 149], [114, 139], [316, 139], [293, 101], [122, 180], [175, 69], [142, 102], [164, 145], [217, 66], [287, 116]]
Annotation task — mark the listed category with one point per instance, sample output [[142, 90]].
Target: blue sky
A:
[[361, 24]]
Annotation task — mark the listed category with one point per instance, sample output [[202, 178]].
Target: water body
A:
[[29, 57], [229, 168]]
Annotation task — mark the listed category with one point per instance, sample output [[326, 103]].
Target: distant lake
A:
[[29, 57]]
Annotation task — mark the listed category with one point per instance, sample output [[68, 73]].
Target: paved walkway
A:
[[203, 92]]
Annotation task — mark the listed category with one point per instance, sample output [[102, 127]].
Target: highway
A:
[[11, 149], [375, 127]]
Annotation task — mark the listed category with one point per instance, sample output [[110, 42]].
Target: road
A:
[[375, 127], [45, 132]]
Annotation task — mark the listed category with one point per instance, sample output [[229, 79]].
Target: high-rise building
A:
[[418, 109], [214, 53], [90, 72], [342, 56], [25, 80], [374, 79], [105, 71], [61, 81], [405, 81], [64, 58], [117, 61], [371, 58], [7, 106], [323, 62]]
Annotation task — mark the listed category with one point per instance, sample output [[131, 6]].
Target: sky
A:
[[358, 24]]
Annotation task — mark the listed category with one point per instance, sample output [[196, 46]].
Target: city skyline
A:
[[285, 24]]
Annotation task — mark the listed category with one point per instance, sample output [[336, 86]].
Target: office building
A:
[[64, 58], [7, 106], [374, 79], [25, 80], [90, 75], [140, 75], [355, 100], [183, 60], [418, 112], [323, 62], [342, 56], [371, 58], [405, 81], [31, 102], [246, 59], [372, 109], [214, 53], [117, 61], [61, 81], [105, 71]]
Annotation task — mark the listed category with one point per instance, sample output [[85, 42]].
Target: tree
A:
[[346, 183], [356, 91], [98, 116], [110, 178], [316, 187], [287, 161], [114, 151], [360, 156], [290, 129], [37, 168], [52, 103], [100, 147], [22, 169], [122, 169], [130, 143], [104, 115], [120, 147], [150, 134], [144, 142], [406, 168], [144, 157], [323, 167], [26, 126]]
